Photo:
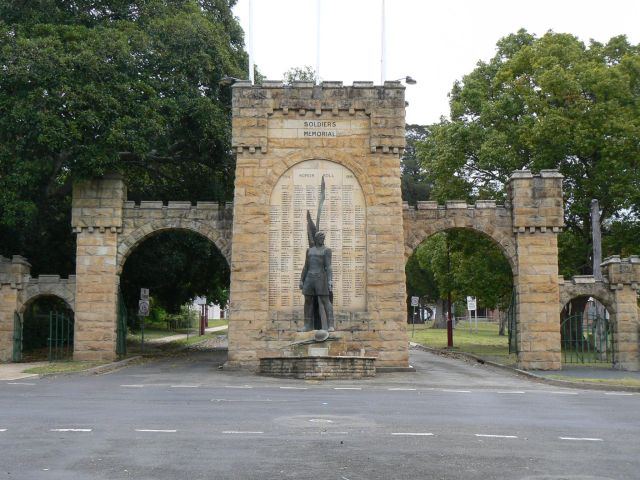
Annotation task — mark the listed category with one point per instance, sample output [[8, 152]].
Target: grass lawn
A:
[[134, 346], [66, 366], [627, 382], [156, 330], [485, 343]]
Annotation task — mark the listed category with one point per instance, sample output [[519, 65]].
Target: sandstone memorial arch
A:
[[286, 140]]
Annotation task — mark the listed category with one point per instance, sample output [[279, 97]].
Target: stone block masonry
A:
[[279, 131]]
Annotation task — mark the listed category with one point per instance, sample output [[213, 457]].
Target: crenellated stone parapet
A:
[[586, 286], [97, 204], [620, 272], [209, 219], [264, 115], [536, 201], [14, 272], [485, 216], [54, 285]]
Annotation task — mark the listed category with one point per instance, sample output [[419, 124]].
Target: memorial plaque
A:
[[343, 220]]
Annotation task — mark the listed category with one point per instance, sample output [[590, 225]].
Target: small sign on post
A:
[[472, 305], [143, 308], [415, 301], [143, 311]]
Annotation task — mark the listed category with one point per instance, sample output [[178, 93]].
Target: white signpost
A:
[[472, 305]]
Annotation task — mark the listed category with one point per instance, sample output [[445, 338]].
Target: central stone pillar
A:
[[288, 141], [536, 202]]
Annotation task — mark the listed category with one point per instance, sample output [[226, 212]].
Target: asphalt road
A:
[[183, 418]]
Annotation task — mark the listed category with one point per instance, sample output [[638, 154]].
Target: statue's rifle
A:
[[311, 227]]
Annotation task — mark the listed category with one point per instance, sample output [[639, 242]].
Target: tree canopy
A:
[[95, 86], [90, 87], [464, 263], [539, 103]]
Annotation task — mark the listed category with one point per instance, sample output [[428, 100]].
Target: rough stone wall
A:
[[14, 275], [586, 286], [64, 288], [623, 278], [484, 217], [369, 141], [537, 212], [209, 219], [97, 221]]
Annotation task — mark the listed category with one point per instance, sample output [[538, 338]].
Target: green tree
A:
[[539, 103], [93, 86], [415, 183], [464, 263], [176, 266], [300, 74]]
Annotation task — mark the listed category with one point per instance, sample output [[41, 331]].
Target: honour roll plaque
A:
[[342, 219]]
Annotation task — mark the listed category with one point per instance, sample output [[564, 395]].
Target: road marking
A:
[[413, 434], [185, 386], [20, 383], [324, 432], [495, 436], [320, 420], [293, 388], [152, 430], [582, 439], [3, 429], [347, 388], [619, 394], [241, 432], [238, 386], [132, 386], [71, 430], [512, 391], [402, 389], [456, 391], [564, 393]]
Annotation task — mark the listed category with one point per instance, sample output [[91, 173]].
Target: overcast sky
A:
[[436, 42]]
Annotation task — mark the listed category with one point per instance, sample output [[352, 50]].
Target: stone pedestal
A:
[[319, 367]]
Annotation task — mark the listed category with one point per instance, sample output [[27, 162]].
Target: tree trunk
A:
[[440, 321], [502, 319]]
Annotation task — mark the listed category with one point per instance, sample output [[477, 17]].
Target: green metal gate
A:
[[586, 339], [121, 342], [60, 339], [512, 323], [17, 337]]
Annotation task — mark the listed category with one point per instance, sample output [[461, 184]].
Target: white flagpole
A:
[[383, 49], [318, 40], [251, 59]]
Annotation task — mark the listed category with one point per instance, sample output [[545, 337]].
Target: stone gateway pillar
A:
[[287, 140], [537, 214], [97, 222], [623, 279]]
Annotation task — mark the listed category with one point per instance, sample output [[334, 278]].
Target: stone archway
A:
[[132, 239], [107, 228], [485, 218]]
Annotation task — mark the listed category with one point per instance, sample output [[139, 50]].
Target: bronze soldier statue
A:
[[316, 282]]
